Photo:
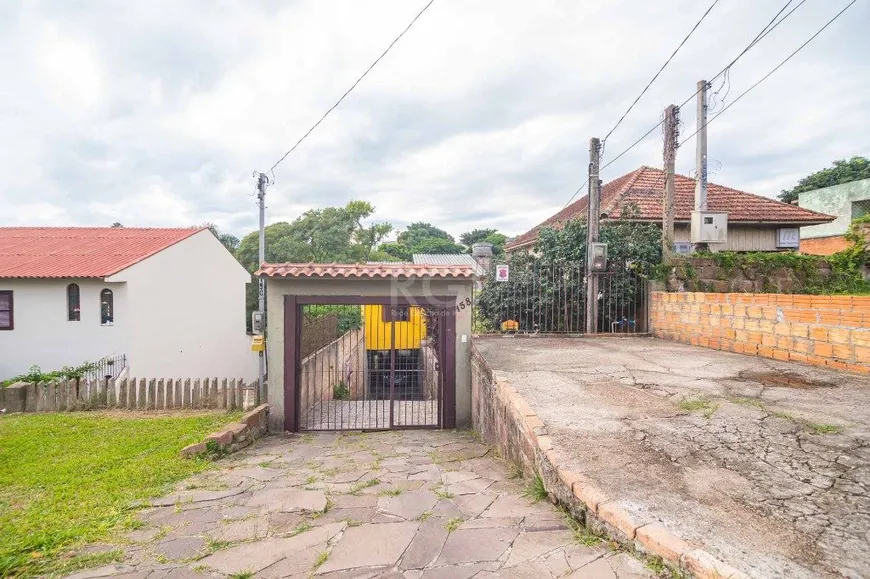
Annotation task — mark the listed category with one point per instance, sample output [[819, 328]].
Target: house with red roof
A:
[[169, 302], [755, 223]]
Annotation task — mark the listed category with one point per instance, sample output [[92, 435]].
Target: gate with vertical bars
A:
[[369, 364]]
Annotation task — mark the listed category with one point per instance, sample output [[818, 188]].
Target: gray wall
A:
[[836, 200], [277, 288]]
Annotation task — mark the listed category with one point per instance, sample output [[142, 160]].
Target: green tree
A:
[[420, 237], [550, 279], [229, 240], [332, 234], [492, 236], [840, 172]]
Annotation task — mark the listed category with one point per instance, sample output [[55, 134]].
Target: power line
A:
[[667, 62], [777, 67], [768, 28], [353, 86]]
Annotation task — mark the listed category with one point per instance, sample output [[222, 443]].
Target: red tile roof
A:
[[642, 190], [60, 252], [369, 270]]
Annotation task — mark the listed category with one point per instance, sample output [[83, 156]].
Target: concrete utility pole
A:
[[701, 157], [672, 121], [592, 219], [701, 150], [262, 180]]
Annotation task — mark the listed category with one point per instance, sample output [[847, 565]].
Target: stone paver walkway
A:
[[404, 504]]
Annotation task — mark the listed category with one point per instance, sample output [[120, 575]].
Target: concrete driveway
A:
[[766, 464], [405, 505]]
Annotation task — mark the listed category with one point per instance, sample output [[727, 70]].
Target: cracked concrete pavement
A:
[[405, 504], [766, 464]]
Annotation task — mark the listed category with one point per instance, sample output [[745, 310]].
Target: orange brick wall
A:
[[824, 245], [831, 331]]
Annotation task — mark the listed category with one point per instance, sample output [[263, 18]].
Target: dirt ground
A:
[[764, 463]]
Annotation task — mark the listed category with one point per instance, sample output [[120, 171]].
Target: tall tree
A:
[[492, 236], [840, 172], [420, 237], [229, 240]]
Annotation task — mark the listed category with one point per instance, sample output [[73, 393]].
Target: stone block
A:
[[256, 418], [16, 397], [657, 540], [193, 450], [614, 515], [703, 565], [222, 438], [589, 495], [238, 429]]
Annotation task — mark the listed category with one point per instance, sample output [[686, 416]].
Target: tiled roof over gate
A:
[[64, 252], [642, 191], [363, 271]]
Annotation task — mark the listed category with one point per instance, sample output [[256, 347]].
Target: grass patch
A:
[[516, 471], [704, 407], [390, 493], [312, 478], [445, 494], [355, 489], [321, 559], [535, 490], [301, 528], [823, 428], [748, 402], [242, 575], [785, 416], [453, 524], [424, 516], [69, 479], [583, 535], [214, 546]]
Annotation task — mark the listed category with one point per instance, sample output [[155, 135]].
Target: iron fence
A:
[[109, 367], [543, 299]]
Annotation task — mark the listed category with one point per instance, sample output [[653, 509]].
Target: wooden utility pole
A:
[[592, 219], [672, 121]]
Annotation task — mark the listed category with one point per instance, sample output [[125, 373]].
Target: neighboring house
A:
[[753, 221], [171, 300], [847, 201]]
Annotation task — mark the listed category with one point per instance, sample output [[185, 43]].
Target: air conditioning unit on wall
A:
[[709, 226]]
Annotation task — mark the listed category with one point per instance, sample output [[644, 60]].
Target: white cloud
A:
[[157, 113]]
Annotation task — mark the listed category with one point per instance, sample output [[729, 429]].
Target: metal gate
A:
[[372, 365]]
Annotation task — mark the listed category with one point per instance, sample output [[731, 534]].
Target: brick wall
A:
[[824, 245], [832, 331]]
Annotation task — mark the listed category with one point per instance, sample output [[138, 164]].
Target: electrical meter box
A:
[[709, 226], [599, 256], [258, 323]]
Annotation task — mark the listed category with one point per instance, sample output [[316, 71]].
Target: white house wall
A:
[[43, 336], [187, 310]]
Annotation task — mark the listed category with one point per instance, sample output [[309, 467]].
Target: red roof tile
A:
[[369, 270], [54, 252], [643, 188]]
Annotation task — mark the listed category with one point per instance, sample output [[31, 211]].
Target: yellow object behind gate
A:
[[409, 333]]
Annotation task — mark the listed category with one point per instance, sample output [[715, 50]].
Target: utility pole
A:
[[592, 219], [672, 122], [701, 150], [701, 157], [261, 282]]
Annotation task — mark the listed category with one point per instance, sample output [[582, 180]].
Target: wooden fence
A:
[[134, 394]]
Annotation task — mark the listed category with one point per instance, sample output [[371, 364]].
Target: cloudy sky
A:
[[157, 113]]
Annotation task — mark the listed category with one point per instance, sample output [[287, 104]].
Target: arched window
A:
[[107, 307], [73, 303]]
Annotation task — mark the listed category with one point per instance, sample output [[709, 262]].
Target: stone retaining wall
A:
[[234, 436], [508, 423], [831, 331]]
